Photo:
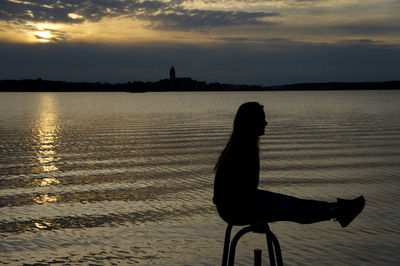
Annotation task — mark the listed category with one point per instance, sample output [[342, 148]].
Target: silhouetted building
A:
[[183, 83], [175, 83], [172, 75]]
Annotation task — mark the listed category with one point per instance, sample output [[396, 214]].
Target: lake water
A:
[[120, 178]]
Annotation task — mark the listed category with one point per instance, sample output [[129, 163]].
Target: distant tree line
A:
[[384, 85], [183, 84]]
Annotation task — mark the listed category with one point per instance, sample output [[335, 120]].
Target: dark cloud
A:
[[309, 1], [272, 62], [37, 11], [159, 14], [267, 41], [287, 2], [368, 28], [194, 19]]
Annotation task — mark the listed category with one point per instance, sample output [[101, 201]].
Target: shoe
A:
[[349, 209]]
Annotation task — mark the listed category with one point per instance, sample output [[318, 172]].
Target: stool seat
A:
[[274, 249]]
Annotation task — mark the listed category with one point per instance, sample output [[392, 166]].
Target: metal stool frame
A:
[[274, 249]]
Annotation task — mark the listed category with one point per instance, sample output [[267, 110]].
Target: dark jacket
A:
[[236, 181]]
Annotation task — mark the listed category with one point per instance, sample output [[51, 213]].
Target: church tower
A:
[[172, 73]]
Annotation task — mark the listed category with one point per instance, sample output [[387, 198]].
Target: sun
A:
[[43, 36]]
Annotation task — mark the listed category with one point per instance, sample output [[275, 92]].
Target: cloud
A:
[[195, 19], [319, 20], [161, 15], [35, 11], [259, 1], [368, 28], [285, 3]]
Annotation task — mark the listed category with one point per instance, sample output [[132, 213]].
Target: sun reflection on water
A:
[[46, 136], [45, 198], [47, 181], [43, 225]]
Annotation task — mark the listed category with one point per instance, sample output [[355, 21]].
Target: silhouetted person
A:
[[236, 194]]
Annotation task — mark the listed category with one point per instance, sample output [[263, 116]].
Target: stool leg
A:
[[278, 252], [235, 239], [271, 252], [226, 244]]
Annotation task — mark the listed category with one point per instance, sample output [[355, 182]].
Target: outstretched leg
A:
[[278, 207], [274, 207]]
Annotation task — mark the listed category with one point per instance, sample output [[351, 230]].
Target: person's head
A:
[[249, 125], [249, 120]]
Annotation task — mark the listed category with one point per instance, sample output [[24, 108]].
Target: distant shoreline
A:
[[39, 85]]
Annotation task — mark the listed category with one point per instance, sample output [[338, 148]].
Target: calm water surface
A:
[[119, 178]]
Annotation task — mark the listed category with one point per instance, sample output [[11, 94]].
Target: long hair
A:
[[244, 128]]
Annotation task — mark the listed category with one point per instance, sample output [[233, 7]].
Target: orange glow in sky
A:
[[246, 41], [200, 21]]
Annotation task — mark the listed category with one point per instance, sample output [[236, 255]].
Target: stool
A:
[[272, 242]]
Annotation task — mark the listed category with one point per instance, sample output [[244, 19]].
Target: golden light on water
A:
[[43, 225], [45, 198], [47, 135], [48, 181], [46, 142]]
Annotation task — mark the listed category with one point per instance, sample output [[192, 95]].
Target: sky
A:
[[254, 42]]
